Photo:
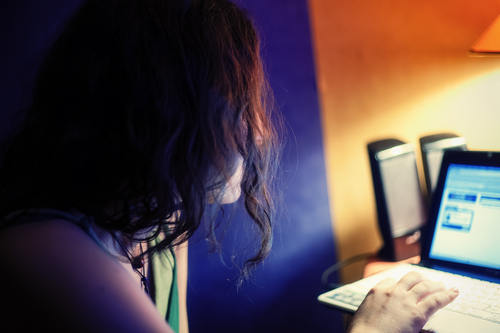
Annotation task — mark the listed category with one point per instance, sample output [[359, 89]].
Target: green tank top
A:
[[163, 285]]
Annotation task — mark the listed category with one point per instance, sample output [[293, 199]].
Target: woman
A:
[[144, 113]]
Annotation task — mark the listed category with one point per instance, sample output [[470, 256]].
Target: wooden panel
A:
[[401, 69]]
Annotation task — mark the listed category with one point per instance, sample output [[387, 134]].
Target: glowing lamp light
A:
[[489, 42]]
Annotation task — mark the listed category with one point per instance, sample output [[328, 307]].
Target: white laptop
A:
[[460, 246]]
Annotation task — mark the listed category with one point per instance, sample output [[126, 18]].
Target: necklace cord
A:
[[136, 263]]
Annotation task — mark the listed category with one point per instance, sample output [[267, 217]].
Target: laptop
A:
[[461, 241]]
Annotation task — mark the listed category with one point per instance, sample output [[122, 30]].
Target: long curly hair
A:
[[144, 106]]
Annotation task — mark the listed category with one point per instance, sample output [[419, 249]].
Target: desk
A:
[[375, 265]]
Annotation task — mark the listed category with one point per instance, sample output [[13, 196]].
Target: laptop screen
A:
[[467, 228]]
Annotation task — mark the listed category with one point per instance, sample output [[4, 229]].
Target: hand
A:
[[402, 307]]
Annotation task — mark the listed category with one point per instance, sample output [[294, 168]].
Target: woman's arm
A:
[[181, 256], [56, 278], [404, 306]]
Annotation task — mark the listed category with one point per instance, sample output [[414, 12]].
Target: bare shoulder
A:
[[34, 246], [48, 248], [18, 238], [55, 275]]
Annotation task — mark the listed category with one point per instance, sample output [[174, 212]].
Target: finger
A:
[[385, 283], [438, 301], [423, 289], [410, 280]]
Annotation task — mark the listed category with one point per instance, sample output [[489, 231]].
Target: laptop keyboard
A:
[[477, 298], [350, 297]]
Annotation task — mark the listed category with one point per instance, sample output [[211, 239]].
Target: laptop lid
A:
[[463, 230]]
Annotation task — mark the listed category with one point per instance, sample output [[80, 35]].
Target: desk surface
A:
[[374, 266]]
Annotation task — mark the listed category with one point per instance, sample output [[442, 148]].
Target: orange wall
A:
[[392, 68]]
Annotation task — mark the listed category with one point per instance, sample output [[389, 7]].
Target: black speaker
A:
[[432, 148], [401, 207]]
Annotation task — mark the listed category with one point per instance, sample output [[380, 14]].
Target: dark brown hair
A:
[[145, 105]]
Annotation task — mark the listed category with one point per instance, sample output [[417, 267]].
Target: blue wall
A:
[[282, 295]]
